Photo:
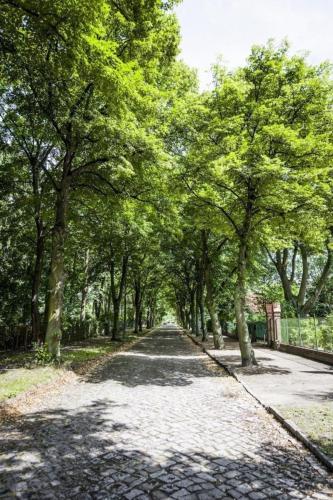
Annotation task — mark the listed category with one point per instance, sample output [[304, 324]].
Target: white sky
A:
[[211, 28]]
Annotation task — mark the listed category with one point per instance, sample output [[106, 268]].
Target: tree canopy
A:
[[128, 195]]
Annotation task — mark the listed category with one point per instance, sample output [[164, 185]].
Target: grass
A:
[[316, 421], [15, 359], [18, 380], [19, 373], [91, 349]]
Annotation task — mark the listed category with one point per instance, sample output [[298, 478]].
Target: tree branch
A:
[[215, 205], [90, 163]]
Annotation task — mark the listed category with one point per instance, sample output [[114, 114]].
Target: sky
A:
[[228, 28]]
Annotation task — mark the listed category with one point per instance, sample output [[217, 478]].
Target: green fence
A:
[[315, 333], [258, 331]]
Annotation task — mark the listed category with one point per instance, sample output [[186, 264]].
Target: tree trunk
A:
[[182, 317], [149, 316], [137, 305], [117, 297], [56, 277], [152, 317], [192, 312], [36, 279], [115, 322], [36, 167], [136, 319], [181, 314], [210, 302], [140, 321], [247, 353], [202, 319], [201, 304], [216, 327], [197, 314], [125, 308], [84, 293], [325, 274], [300, 304], [187, 319]]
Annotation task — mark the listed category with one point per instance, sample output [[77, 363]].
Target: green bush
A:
[[326, 333], [41, 354], [308, 332]]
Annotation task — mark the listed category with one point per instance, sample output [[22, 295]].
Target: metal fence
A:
[[258, 331], [314, 333], [17, 337]]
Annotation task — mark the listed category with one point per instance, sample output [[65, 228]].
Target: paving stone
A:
[[133, 494], [205, 477], [158, 421], [271, 492], [258, 485], [235, 494], [214, 493], [180, 493], [168, 488], [194, 488], [244, 488], [207, 486], [257, 495], [147, 486], [231, 474], [159, 495], [184, 483]]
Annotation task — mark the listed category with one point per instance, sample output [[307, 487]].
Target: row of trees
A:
[[127, 192], [256, 159], [84, 86]]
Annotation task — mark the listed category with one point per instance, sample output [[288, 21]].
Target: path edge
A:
[[9, 408], [290, 426]]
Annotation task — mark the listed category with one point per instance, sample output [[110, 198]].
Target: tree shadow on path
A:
[[164, 359], [84, 454]]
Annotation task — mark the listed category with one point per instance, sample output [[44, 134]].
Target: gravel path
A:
[[157, 421]]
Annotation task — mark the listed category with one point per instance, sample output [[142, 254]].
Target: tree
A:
[[258, 153], [89, 81]]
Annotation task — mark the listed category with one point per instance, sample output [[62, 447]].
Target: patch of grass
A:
[[15, 359], [19, 373], [77, 354], [18, 380], [316, 421], [93, 348]]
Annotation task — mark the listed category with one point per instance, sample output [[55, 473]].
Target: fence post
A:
[[315, 330], [299, 331], [273, 312], [287, 328]]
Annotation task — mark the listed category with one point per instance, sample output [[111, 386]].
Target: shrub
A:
[[41, 354]]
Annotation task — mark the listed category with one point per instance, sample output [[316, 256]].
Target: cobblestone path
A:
[[158, 421]]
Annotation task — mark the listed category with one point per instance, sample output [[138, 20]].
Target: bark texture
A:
[[56, 277], [210, 302], [286, 268], [247, 353]]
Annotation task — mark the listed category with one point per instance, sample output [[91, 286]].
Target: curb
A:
[[298, 434], [287, 424]]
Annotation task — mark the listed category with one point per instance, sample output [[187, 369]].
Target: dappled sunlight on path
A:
[[157, 421]]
